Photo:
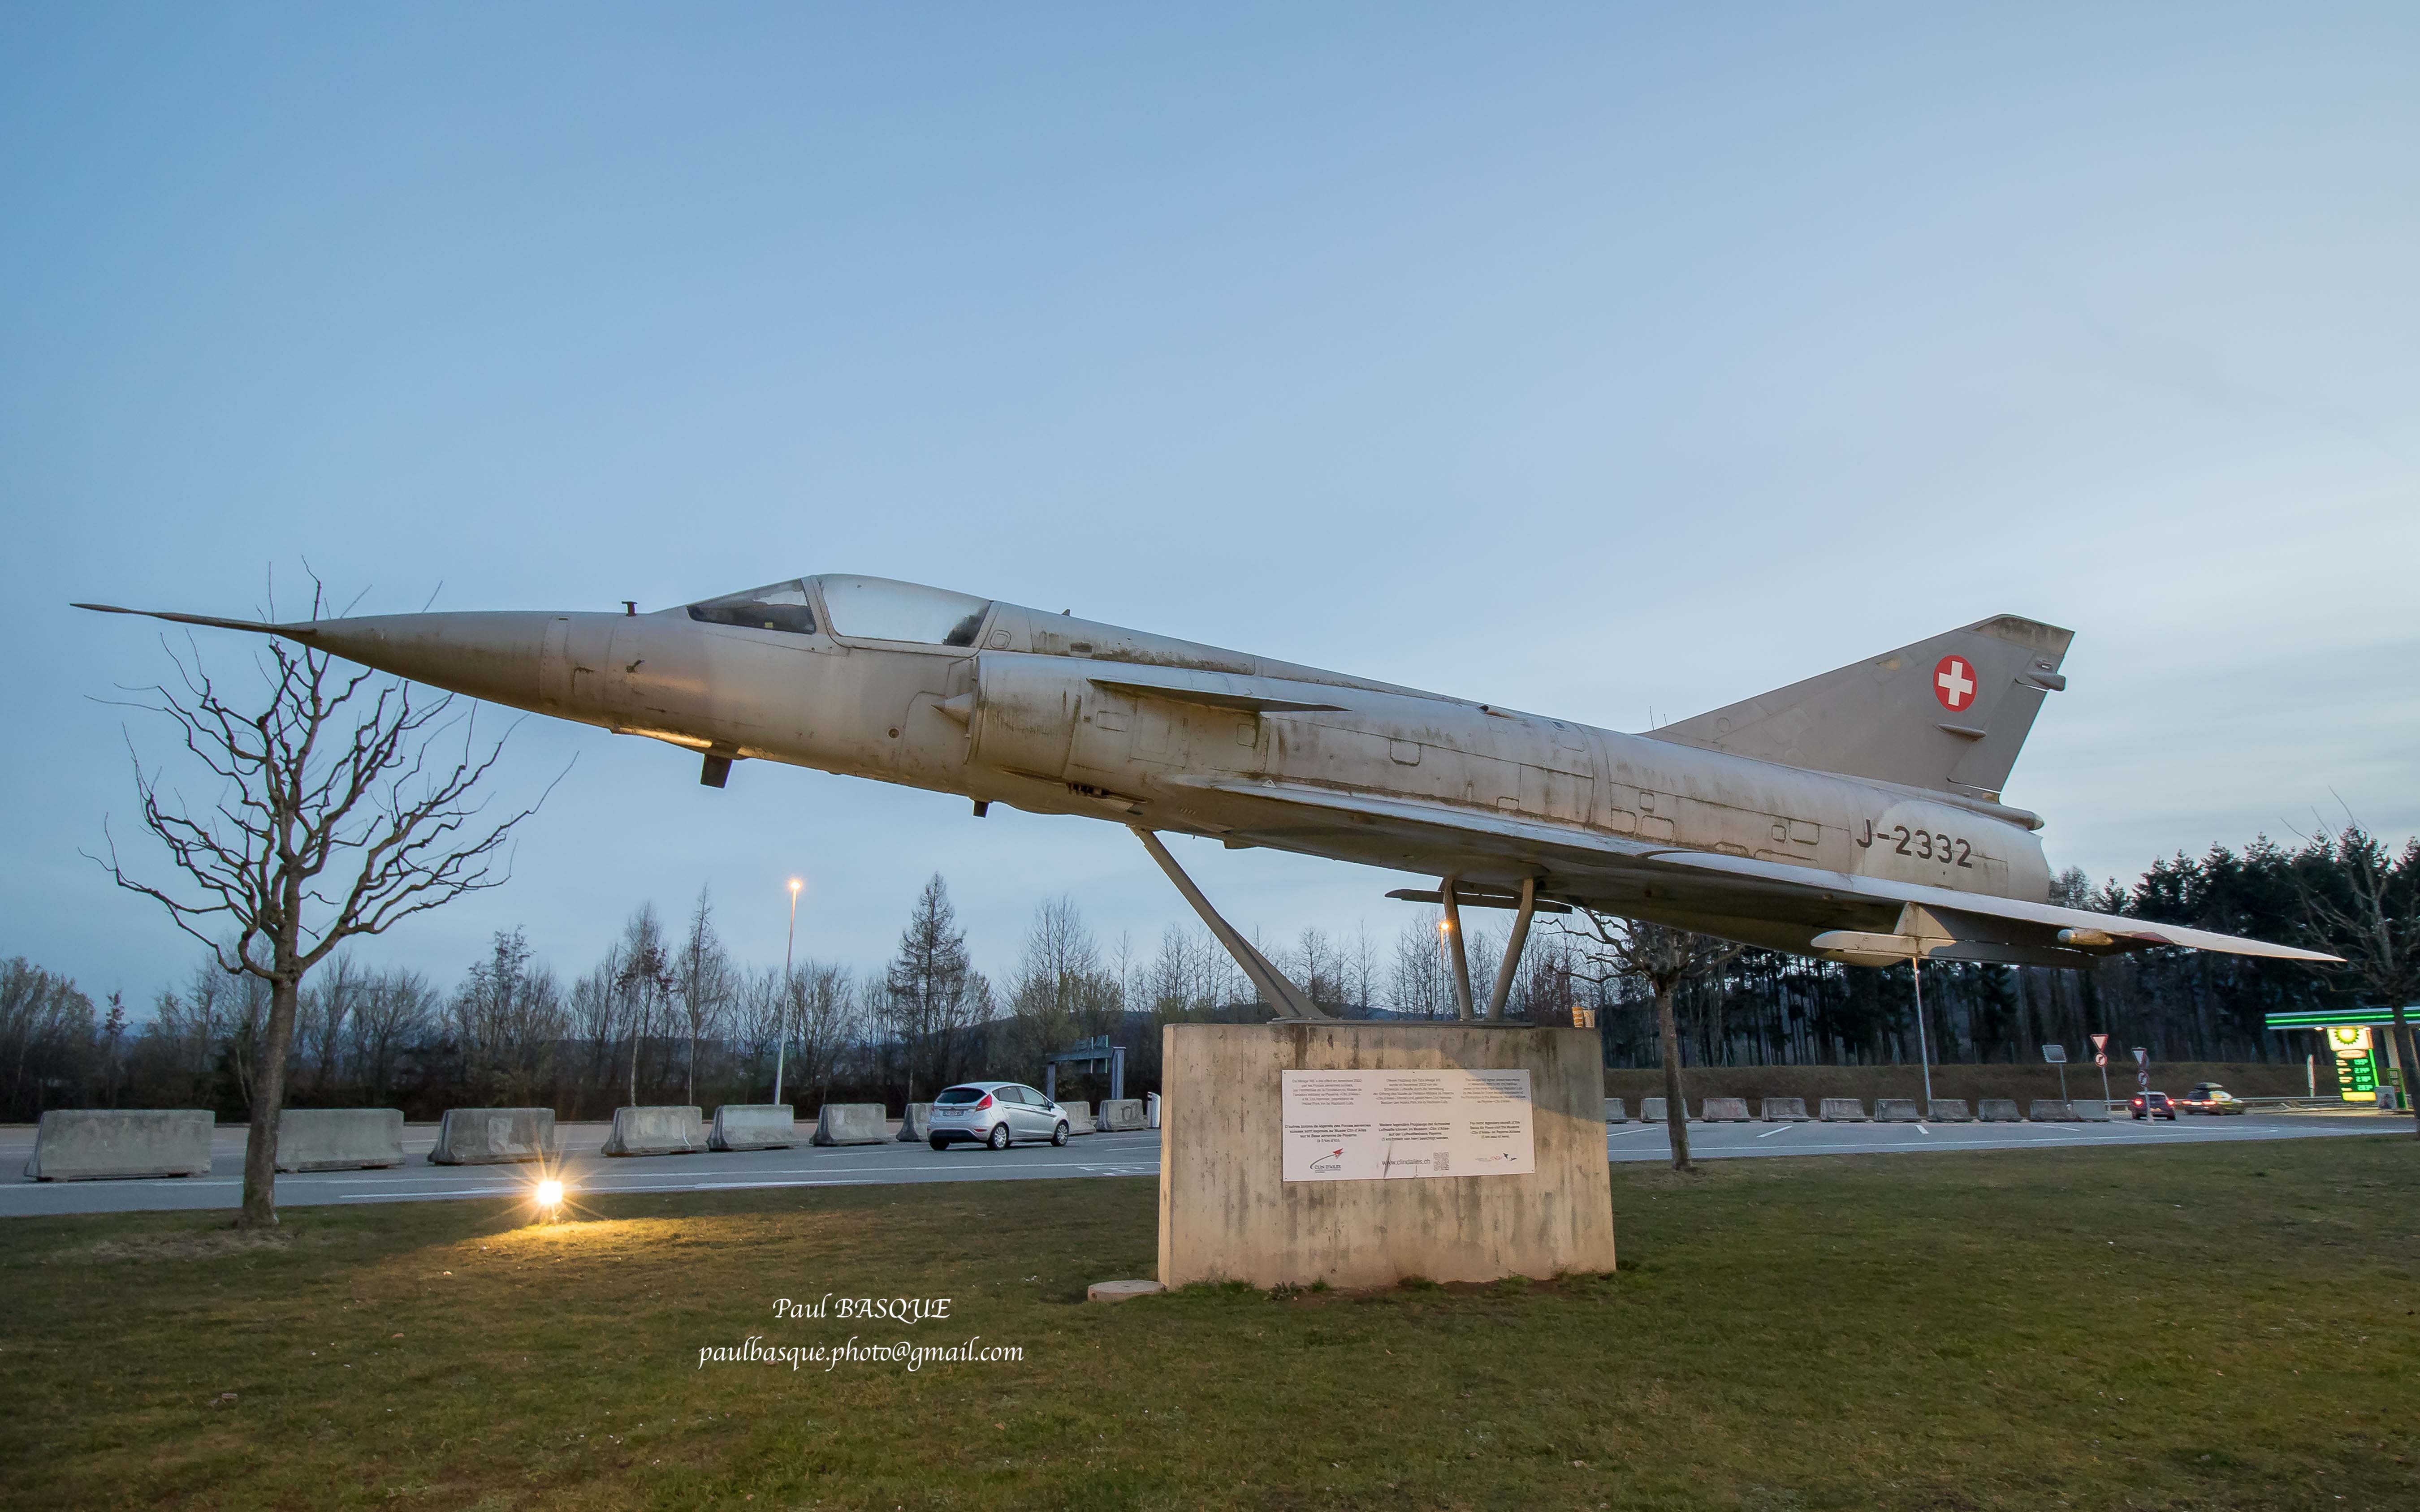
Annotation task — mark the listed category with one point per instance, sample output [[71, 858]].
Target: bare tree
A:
[[1421, 982], [321, 1016], [702, 980], [1663, 957], [934, 998], [393, 1009], [45, 1021], [113, 1048], [185, 1027], [338, 815], [645, 981], [822, 1008], [507, 1019], [1361, 967], [2367, 908], [595, 1015], [1061, 991]]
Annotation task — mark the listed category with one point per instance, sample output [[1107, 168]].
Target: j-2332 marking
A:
[[1924, 845]]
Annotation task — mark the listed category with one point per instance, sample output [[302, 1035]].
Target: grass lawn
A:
[[2196, 1326]]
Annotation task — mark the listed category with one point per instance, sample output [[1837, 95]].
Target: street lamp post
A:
[[783, 1018]]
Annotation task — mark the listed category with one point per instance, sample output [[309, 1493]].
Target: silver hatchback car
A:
[[997, 1114]]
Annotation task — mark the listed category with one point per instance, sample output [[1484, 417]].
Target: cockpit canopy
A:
[[773, 606], [869, 608]]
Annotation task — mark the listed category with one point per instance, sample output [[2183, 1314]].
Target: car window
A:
[[773, 606], [954, 1096], [1035, 1098]]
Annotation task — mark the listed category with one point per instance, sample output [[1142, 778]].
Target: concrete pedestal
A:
[[1226, 1212]]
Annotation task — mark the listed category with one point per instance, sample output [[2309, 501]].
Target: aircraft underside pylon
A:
[[1290, 1001], [1293, 1002]]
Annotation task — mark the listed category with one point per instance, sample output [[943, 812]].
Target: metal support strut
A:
[[1512, 947], [1290, 1001], [1450, 894]]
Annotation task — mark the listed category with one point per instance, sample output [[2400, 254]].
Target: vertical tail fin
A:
[[1949, 712]]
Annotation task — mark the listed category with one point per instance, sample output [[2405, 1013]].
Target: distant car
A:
[[2152, 1105], [995, 1114], [2208, 1097]]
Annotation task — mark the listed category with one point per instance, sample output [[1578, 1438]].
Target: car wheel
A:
[[1058, 1135], [999, 1140], [937, 1142]]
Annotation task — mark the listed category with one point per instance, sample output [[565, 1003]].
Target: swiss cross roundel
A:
[[1953, 682]]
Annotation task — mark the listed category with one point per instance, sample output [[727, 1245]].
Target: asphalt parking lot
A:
[[584, 1170]]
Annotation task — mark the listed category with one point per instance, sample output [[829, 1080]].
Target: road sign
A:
[[2054, 1054], [2101, 1042], [2142, 1057], [2143, 1080], [2101, 1058]]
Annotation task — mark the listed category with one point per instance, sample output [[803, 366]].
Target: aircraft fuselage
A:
[[1055, 715]]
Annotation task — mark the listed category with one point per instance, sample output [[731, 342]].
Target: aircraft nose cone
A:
[[498, 656]]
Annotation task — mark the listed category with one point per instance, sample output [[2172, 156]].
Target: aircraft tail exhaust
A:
[[1949, 712]]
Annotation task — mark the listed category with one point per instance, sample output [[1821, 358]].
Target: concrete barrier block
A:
[[695, 1126], [753, 1126], [104, 1144], [1151, 1108], [851, 1123], [1950, 1110], [2093, 1112], [1652, 1110], [1998, 1110], [1785, 1110], [1724, 1110], [1616, 1110], [653, 1130], [1896, 1110], [2050, 1110], [339, 1139], [1841, 1110], [916, 1123], [1079, 1118], [493, 1136], [1119, 1115]]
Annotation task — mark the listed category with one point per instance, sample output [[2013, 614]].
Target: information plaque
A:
[[1390, 1125]]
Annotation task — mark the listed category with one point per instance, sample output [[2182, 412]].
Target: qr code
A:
[[1440, 1161]]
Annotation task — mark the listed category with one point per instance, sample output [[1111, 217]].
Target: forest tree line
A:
[[668, 1015]]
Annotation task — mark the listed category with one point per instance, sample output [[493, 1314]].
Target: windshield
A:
[[955, 1095], [878, 609], [773, 606]]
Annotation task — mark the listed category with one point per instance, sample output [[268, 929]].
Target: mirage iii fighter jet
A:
[[1856, 816]]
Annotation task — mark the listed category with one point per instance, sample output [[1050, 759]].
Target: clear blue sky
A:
[[1589, 361]]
